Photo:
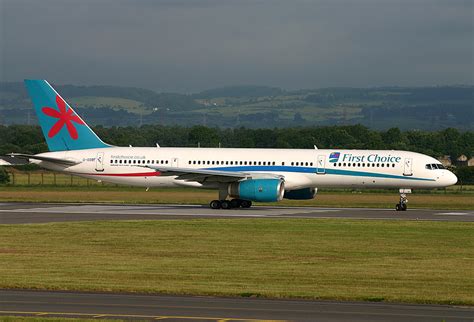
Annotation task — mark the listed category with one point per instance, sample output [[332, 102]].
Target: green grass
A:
[[401, 261]]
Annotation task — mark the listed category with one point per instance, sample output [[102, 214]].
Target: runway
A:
[[22, 213], [188, 308]]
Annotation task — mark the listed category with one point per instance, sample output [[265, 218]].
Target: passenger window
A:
[[311, 164], [283, 163], [383, 165], [344, 164], [358, 164], [306, 163], [335, 164], [348, 164]]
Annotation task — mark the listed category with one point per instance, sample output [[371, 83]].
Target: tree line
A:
[[29, 139], [452, 142]]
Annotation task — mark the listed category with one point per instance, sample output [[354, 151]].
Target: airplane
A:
[[240, 175]]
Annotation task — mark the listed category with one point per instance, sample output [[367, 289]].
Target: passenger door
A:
[[321, 164], [174, 162], [99, 162], [408, 167]]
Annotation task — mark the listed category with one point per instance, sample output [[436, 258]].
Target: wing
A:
[[205, 175], [43, 158]]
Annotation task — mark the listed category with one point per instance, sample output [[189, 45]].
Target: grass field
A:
[[120, 194], [422, 262]]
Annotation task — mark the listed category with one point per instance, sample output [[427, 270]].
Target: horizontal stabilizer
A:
[[43, 158]]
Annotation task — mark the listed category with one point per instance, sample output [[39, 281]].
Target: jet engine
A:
[[264, 190], [301, 194]]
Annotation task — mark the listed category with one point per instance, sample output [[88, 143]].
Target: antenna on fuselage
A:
[[157, 145], [315, 147]]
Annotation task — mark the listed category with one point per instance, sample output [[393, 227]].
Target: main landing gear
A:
[[402, 205], [229, 204]]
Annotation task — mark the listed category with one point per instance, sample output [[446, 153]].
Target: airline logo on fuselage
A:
[[371, 158], [334, 157]]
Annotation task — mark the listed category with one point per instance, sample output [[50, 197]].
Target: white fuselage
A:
[[299, 168]]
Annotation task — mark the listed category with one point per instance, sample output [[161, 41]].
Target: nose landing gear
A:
[[402, 205]]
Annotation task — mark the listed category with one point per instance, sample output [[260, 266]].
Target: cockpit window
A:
[[434, 166]]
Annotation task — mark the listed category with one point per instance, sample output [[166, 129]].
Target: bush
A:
[[465, 175], [4, 177]]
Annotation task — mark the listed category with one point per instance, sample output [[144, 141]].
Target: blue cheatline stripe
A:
[[278, 168]]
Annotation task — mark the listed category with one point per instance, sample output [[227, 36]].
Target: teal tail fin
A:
[[62, 128]]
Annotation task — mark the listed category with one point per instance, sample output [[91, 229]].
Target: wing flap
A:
[[207, 175]]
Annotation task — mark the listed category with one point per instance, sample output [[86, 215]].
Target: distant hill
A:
[[239, 91], [426, 108]]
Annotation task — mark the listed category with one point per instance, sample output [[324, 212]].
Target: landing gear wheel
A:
[[215, 204], [225, 204], [402, 205], [235, 203], [245, 203]]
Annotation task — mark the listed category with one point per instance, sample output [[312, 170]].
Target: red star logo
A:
[[65, 116]]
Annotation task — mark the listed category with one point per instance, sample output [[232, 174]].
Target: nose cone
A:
[[450, 178]]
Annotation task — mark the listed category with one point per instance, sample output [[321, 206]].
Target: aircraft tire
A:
[[397, 207], [235, 203], [215, 204], [245, 203], [225, 204]]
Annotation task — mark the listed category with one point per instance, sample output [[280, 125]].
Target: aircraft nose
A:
[[451, 178]]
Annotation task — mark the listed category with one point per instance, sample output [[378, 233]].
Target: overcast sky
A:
[[187, 46]]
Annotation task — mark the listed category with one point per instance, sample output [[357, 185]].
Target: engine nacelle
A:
[[264, 190], [301, 194]]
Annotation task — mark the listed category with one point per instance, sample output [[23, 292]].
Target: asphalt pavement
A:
[[20, 213], [189, 308]]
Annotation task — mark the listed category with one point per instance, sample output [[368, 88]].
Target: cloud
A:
[[193, 45]]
